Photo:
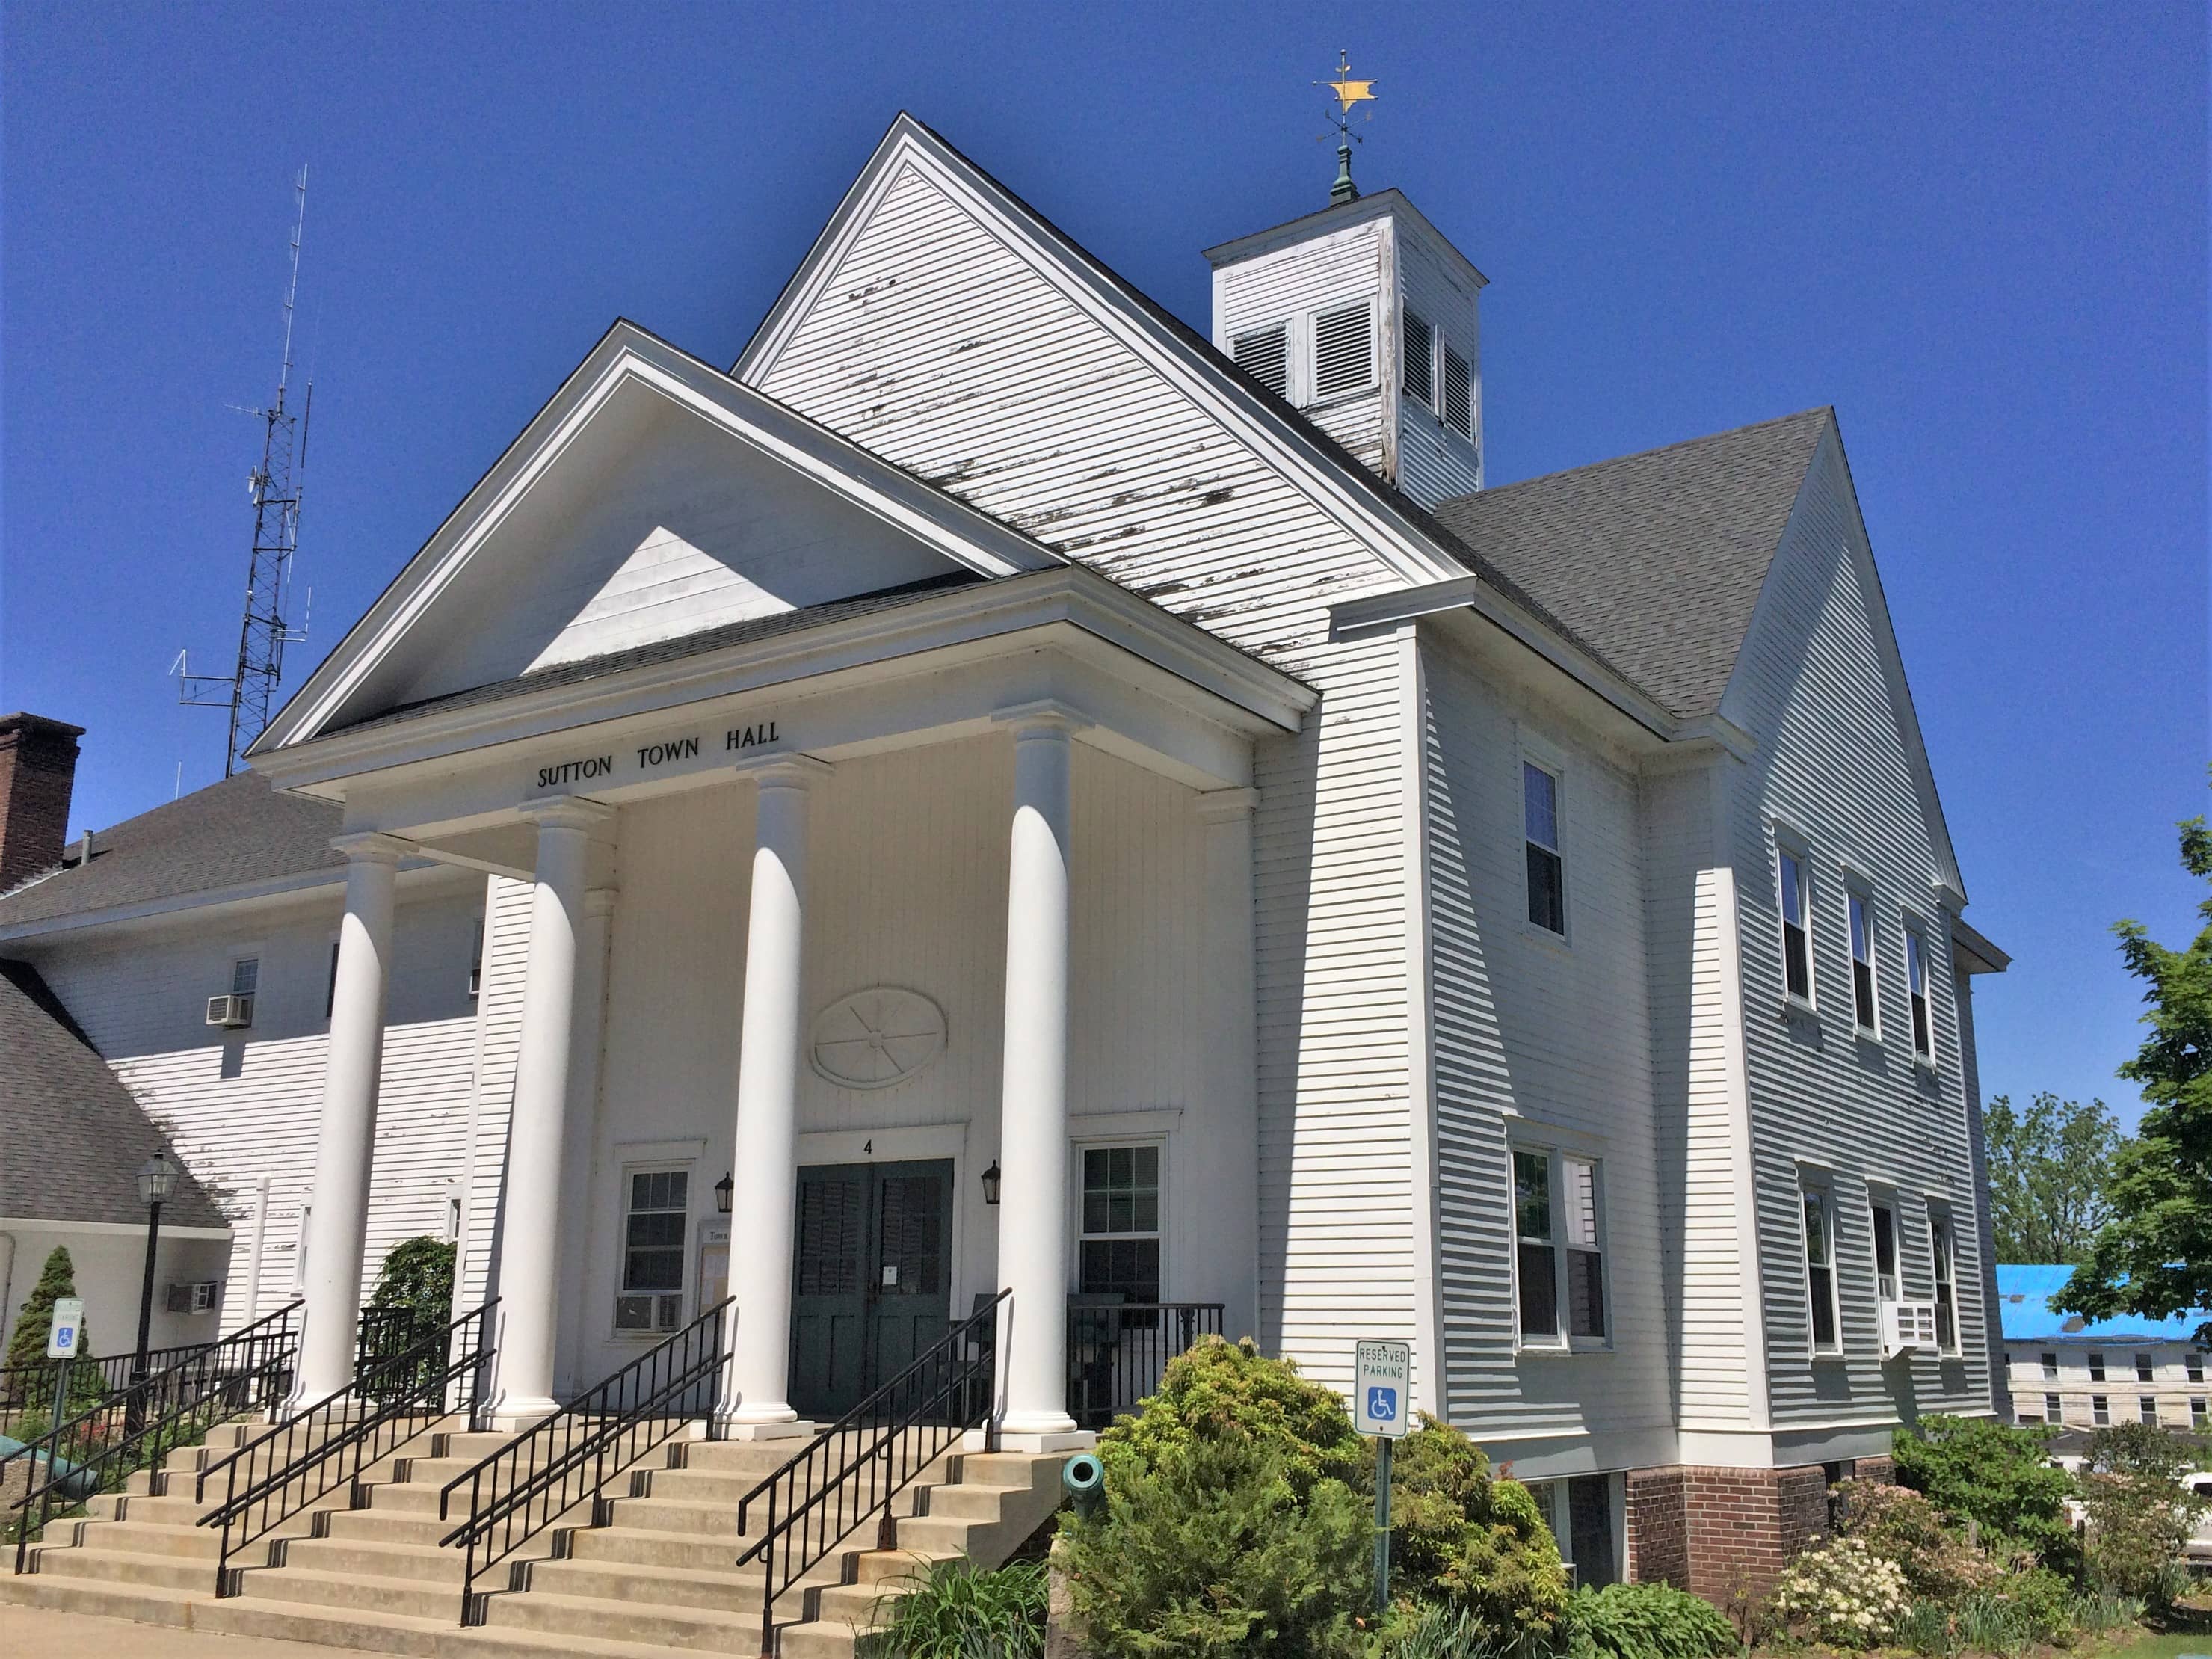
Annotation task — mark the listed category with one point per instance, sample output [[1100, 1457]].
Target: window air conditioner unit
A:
[[1907, 1325], [231, 1013]]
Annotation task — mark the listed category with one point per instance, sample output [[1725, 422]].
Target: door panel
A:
[[872, 1278]]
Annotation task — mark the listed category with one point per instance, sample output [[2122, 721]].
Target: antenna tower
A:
[[250, 689]]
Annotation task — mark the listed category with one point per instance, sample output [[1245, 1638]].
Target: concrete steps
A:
[[365, 1569]]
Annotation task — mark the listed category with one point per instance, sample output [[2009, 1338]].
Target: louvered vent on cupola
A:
[[1363, 318]]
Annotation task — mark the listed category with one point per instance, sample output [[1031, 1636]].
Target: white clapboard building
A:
[[1045, 801]]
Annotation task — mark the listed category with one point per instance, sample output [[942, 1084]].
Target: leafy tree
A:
[[1458, 1536], [2153, 1257], [2142, 1448], [27, 1345], [2048, 1169], [1998, 1476], [417, 1275]]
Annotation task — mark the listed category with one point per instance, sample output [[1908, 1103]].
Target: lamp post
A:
[[157, 1179]]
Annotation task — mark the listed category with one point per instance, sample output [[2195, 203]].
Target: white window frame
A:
[[1920, 1001], [2146, 1366], [1539, 760], [2095, 1361], [2198, 1413], [1556, 1159], [1880, 1204], [2192, 1364], [2054, 1409], [1108, 1144], [2147, 1409], [1793, 851], [1944, 1276], [2049, 1361], [2100, 1411], [1813, 1189], [656, 1331], [1859, 914]]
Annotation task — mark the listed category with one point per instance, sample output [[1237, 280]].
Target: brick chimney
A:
[[37, 765]]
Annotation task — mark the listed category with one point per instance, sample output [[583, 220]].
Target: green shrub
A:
[[1204, 1549], [1441, 1632], [1229, 1388], [2099, 1612], [956, 1610], [2045, 1601], [1649, 1621], [1841, 1594], [2142, 1448], [1901, 1526], [35, 1374], [1997, 1475], [1459, 1537], [2138, 1526]]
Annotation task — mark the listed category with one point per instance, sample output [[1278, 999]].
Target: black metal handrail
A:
[[547, 1470], [821, 1494], [30, 1386], [1118, 1351], [327, 1444], [135, 1427]]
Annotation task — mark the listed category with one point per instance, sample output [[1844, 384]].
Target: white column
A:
[[1223, 1152], [530, 1239], [1033, 1128], [338, 1225], [756, 1398]]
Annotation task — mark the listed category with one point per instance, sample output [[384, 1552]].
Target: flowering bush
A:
[[1900, 1526], [1841, 1594]]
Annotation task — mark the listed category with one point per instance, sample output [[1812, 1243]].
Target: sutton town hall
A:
[[1002, 815]]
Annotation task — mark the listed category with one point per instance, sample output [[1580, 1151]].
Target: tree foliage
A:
[[2153, 1257], [1460, 1536], [1998, 1476], [417, 1275], [26, 1344], [2048, 1166]]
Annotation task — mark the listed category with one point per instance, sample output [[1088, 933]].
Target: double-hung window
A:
[[2193, 1361], [2053, 1412], [1559, 1249], [2100, 1411], [1119, 1247], [2096, 1366], [1946, 1311], [2145, 1371], [1863, 1002], [1821, 1270], [2049, 1367], [653, 1226], [1540, 815], [2197, 1404], [1796, 939], [1916, 983], [1885, 1252], [2147, 1408]]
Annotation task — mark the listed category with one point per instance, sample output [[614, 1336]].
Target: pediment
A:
[[654, 499]]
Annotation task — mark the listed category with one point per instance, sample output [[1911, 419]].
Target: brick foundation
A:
[[1725, 1533]]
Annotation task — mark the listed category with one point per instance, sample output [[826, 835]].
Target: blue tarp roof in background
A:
[[2024, 1293]]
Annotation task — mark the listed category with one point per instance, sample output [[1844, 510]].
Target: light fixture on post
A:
[[990, 1185], [157, 1180], [723, 1188]]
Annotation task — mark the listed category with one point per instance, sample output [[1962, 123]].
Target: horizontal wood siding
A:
[[1542, 1040], [1833, 764], [947, 350], [496, 1042], [1434, 461]]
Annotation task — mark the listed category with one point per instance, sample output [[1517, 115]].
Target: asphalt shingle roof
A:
[[226, 835], [1654, 559], [75, 1136]]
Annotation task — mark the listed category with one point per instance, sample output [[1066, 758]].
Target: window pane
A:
[[1130, 1266], [1539, 1296], [1915, 965], [1532, 1195], [1816, 1230], [1824, 1307], [1582, 1202], [2142, 1368], [246, 977], [1548, 903], [1885, 1241], [1861, 931], [2051, 1411], [1797, 966], [1585, 1293], [1539, 802], [1590, 1529], [1863, 996], [2096, 1368], [1793, 891]]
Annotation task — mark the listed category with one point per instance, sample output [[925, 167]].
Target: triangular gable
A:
[[1807, 627], [941, 321], [653, 497]]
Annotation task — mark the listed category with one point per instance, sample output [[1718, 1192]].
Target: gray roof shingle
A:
[[1654, 559], [75, 1135], [226, 835]]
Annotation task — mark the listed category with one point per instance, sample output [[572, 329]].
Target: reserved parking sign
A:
[[1382, 1376], [69, 1325]]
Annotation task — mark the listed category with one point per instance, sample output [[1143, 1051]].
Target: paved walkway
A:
[[43, 1633]]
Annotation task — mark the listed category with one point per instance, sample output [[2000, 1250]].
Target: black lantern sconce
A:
[[723, 1188], [991, 1184]]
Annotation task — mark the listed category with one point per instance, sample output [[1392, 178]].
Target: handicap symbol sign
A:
[[1382, 1372], [1383, 1405]]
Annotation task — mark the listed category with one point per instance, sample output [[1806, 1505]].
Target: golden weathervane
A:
[[1349, 93]]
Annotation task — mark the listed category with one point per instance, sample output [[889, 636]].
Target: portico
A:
[[945, 876]]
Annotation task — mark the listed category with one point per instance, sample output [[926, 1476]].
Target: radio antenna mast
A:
[[250, 689]]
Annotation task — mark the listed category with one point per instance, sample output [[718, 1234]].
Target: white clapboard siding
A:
[[1434, 462], [1814, 687], [1290, 286], [1538, 1042], [494, 1039], [939, 346]]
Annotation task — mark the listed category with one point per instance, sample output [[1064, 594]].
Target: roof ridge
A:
[[1494, 490]]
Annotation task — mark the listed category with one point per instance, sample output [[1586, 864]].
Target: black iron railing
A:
[[135, 1425], [317, 1449], [543, 1472], [1118, 1351], [848, 1474], [385, 1333], [30, 1387]]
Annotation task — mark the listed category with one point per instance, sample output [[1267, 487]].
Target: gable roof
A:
[[1656, 560], [2024, 1293], [231, 834], [58, 1096]]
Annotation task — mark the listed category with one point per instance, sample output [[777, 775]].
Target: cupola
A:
[[1364, 317]]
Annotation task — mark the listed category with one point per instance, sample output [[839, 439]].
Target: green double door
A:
[[872, 1278]]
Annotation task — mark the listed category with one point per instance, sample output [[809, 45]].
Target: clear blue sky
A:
[[1979, 232]]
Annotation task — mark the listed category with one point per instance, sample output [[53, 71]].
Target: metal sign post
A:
[[62, 1340], [1381, 1378]]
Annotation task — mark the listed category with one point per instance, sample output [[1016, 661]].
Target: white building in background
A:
[[993, 742], [2095, 1374]]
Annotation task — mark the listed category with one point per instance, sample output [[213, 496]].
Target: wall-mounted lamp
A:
[[723, 1188], [991, 1184]]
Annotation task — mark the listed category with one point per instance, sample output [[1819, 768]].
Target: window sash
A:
[[245, 976], [2051, 1366], [2193, 1363], [1819, 1272], [1540, 828], [1118, 1228], [2145, 1369], [2052, 1411], [1885, 1252], [2100, 1411], [1915, 981], [1946, 1320], [2096, 1367], [1796, 948], [656, 1222], [1862, 949], [2147, 1408]]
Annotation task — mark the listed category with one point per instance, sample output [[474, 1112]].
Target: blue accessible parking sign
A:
[[1382, 1372]]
